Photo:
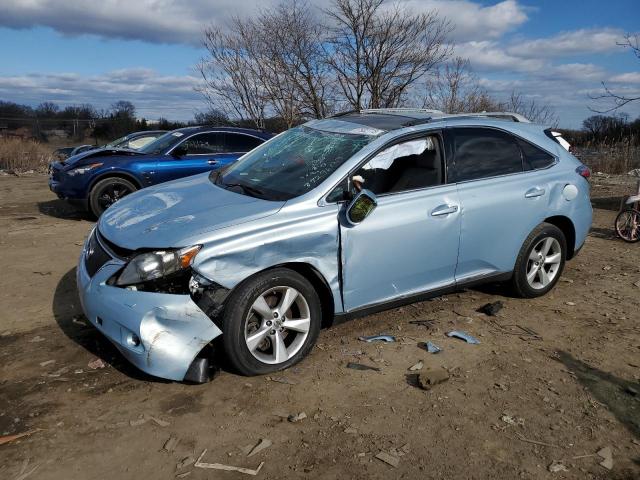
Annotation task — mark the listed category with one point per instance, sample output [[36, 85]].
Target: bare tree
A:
[[230, 75], [377, 53], [454, 89], [530, 108], [292, 41], [619, 100]]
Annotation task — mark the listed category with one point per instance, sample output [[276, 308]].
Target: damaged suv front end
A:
[[156, 325]]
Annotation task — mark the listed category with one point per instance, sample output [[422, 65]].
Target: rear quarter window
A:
[[534, 157], [483, 153]]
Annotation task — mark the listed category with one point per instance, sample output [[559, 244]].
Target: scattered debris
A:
[[631, 391], [515, 329], [185, 462], [535, 442], [417, 366], [571, 304], [96, 364], [388, 459], [36, 339], [286, 381], [431, 377], [171, 444], [228, 468], [556, 467], [10, 438], [48, 362], [138, 422], [463, 336], [378, 338], [42, 273], [607, 457], [360, 366], [430, 347], [260, 446], [158, 421], [636, 284], [24, 473], [426, 323], [297, 418], [492, 308], [508, 419], [182, 475]]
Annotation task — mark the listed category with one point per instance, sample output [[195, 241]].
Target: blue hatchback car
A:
[[98, 178], [338, 217]]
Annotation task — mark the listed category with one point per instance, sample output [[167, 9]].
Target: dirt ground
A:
[[520, 404]]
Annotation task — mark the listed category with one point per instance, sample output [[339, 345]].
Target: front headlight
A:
[[153, 265], [83, 169]]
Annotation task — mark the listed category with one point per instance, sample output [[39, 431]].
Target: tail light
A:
[[583, 171]]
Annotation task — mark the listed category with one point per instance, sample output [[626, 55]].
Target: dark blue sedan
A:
[[98, 178]]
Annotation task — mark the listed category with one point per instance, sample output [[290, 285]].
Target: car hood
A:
[[166, 215], [84, 157]]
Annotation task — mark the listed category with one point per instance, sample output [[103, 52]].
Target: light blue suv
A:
[[336, 218]]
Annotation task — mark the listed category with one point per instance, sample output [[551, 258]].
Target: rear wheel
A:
[[271, 322], [628, 225], [540, 261], [107, 192]]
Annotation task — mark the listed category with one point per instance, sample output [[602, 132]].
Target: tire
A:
[[249, 341], [627, 225], [531, 279], [108, 191]]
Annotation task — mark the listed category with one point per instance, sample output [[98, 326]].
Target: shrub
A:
[[22, 155]]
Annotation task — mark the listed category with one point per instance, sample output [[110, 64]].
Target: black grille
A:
[[95, 256]]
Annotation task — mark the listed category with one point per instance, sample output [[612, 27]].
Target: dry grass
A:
[[611, 157], [21, 155]]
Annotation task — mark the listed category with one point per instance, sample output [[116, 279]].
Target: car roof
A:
[[204, 128], [376, 121]]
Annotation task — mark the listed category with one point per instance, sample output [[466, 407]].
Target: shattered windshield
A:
[[291, 164]]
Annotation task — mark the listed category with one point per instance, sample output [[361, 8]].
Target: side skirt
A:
[[419, 297]]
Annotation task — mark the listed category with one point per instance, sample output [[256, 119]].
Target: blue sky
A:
[[74, 51]]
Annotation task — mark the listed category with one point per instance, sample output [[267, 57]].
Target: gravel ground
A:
[[554, 380]]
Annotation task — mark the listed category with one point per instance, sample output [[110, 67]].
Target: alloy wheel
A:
[[277, 325], [111, 194], [544, 263]]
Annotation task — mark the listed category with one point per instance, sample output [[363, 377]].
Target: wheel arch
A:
[[114, 174], [317, 280], [568, 229]]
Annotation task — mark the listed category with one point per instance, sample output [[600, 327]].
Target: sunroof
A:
[[382, 121]]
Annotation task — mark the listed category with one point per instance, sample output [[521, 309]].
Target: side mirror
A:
[[179, 151], [361, 207]]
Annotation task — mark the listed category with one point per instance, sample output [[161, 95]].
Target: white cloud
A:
[[570, 43], [630, 77], [154, 95], [174, 21], [490, 56]]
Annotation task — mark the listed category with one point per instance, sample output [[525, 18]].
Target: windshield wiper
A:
[[247, 188]]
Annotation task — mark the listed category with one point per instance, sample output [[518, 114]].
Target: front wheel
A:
[[270, 322], [107, 192], [628, 225], [540, 261]]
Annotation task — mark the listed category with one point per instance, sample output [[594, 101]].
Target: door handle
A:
[[534, 192], [212, 162], [444, 210]]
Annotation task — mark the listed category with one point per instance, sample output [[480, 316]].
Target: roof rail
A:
[[400, 111], [510, 116]]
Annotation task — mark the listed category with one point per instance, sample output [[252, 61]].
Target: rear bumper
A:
[[161, 334]]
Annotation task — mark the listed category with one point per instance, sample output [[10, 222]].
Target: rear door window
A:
[[239, 143], [205, 144], [484, 152]]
